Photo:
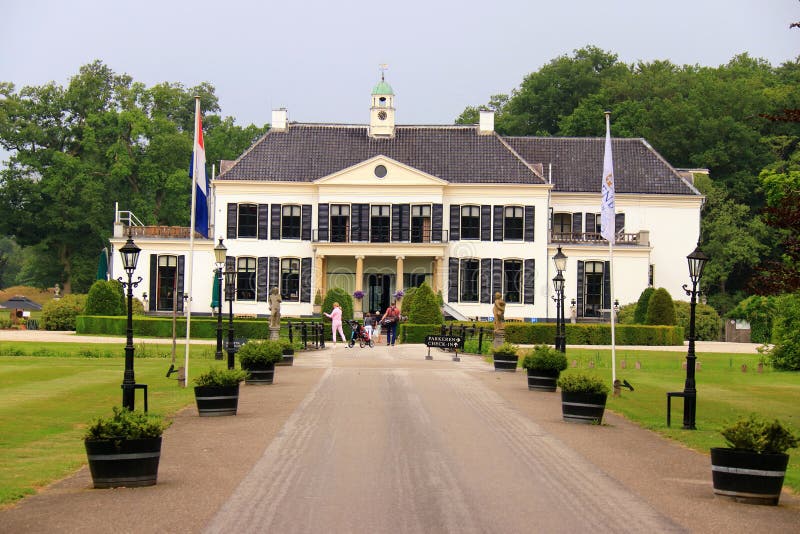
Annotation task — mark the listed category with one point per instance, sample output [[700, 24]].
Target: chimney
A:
[[280, 120], [486, 126]]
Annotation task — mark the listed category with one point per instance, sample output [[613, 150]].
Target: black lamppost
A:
[[230, 294], [130, 257], [560, 262], [219, 259], [697, 262]]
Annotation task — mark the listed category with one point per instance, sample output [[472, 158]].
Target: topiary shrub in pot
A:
[[124, 449], [583, 398], [258, 358], [216, 391], [752, 468], [505, 357], [287, 348], [544, 365]]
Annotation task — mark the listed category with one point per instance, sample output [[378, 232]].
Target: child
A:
[[377, 328]]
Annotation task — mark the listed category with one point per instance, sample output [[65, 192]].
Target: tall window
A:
[[512, 223], [469, 280], [593, 289], [290, 279], [512, 281], [593, 223], [248, 220], [651, 276], [470, 222], [562, 225], [167, 275], [420, 224], [380, 224], [340, 223], [245, 279], [290, 222]]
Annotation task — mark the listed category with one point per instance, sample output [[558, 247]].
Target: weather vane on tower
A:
[[384, 67]]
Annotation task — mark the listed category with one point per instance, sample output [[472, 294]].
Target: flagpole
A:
[[608, 230], [190, 268]]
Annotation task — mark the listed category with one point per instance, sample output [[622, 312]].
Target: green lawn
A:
[[50, 391], [724, 393]]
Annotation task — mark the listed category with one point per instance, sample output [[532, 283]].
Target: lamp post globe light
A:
[[697, 262], [230, 293], [219, 258], [130, 257]]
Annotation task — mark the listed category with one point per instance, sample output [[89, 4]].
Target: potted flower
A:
[[358, 294], [583, 398], [288, 352], [216, 391], [399, 294], [752, 467], [505, 357], [124, 449], [258, 358], [544, 364]]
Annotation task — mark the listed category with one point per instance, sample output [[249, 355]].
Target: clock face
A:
[[382, 115]]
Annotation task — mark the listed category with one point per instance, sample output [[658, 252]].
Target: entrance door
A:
[[379, 291], [167, 278]]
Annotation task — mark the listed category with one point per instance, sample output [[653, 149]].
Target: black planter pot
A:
[[213, 401], [542, 379], [746, 476], [288, 357], [129, 462], [260, 373], [586, 408], [505, 363]]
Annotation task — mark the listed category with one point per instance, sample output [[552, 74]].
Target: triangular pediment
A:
[[368, 173]]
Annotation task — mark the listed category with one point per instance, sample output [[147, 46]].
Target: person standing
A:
[[336, 323], [377, 327], [368, 322], [389, 320]]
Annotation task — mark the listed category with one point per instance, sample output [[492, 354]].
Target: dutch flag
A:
[[197, 171]]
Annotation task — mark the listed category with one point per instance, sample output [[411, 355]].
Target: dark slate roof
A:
[[307, 152], [577, 165]]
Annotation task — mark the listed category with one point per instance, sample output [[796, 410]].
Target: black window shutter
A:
[[274, 272], [486, 280], [233, 213], [153, 282], [486, 223], [529, 223], [263, 221], [230, 265], [322, 222], [181, 264], [396, 222], [436, 223], [497, 277], [577, 225], [275, 221], [579, 288], [355, 222], [305, 279], [452, 280], [619, 223], [455, 222], [498, 223], [405, 222], [305, 222], [528, 281], [590, 223], [364, 222], [262, 291], [607, 285]]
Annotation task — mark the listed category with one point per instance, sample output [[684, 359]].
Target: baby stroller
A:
[[359, 335]]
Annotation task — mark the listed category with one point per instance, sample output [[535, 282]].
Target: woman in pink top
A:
[[336, 323]]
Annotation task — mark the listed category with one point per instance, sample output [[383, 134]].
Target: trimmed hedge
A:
[[594, 334], [202, 328]]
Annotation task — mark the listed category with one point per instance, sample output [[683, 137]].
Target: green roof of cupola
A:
[[382, 88]]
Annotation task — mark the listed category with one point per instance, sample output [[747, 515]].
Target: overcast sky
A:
[[320, 58]]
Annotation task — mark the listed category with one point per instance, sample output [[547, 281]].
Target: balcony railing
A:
[[177, 232], [336, 235], [638, 238]]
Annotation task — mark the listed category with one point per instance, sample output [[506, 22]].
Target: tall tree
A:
[[103, 138]]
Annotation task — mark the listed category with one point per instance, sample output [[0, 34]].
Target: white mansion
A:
[[380, 207]]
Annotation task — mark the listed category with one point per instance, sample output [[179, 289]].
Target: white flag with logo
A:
[[607, 229]]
